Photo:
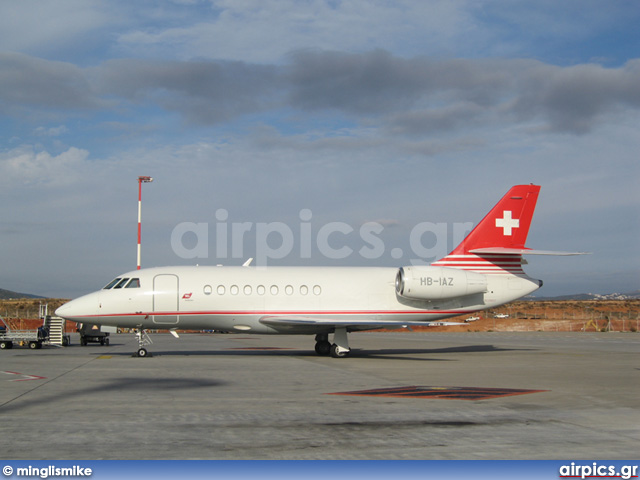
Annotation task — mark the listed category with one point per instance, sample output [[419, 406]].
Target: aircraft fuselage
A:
[[238, 298]]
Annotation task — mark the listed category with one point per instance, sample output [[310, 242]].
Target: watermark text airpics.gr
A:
[[596, 470], [50, 471], [267, 241]]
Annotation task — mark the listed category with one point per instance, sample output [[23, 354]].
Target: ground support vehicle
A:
[[92, 334], [51, 332]]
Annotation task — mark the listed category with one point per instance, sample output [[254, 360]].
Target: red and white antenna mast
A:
[[141, 180]]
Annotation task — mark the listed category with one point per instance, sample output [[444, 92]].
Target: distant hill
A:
[[8, 294], [593, 296]]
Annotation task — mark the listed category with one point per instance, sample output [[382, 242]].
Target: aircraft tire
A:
[[323, 348], [142, 352]]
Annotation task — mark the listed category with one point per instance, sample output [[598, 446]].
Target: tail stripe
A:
[[504, 264]]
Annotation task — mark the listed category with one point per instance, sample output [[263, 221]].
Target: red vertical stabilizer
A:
[[501, 233]]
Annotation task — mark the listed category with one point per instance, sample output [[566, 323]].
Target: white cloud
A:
[[41, 27], [265, 31], [51, 131], [25, 166]]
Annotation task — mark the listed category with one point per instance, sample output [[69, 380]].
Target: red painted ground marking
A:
[[25, 377], [450, 393], [259, 348]]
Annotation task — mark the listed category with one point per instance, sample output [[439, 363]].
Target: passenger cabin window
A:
[[133, 283], [111, 283], [247, 290]]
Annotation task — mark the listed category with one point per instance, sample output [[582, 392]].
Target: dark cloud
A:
[[205, 92], [448, 118], [408, 96], [32, 82], [572, 98], [379, 83], [423, 94], [359, 83]]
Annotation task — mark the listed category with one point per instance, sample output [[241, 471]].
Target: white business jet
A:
[[483, 272]]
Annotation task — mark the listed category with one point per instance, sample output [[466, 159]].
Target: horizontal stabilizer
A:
[[520, 251]]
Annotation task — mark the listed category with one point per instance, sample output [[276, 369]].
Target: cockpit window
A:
[[121, 283], [112, 283], [134, 283]]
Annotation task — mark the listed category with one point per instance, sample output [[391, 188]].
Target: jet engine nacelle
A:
[[438, 283]]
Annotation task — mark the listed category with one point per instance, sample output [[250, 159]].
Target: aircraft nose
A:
[[79, 308], [65, 310]]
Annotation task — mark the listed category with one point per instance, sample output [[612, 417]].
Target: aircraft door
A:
[[165, 299]]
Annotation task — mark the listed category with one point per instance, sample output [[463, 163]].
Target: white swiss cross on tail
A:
[[507, 223]]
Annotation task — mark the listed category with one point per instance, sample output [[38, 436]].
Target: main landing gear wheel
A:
[[142, 352], [323, 348]]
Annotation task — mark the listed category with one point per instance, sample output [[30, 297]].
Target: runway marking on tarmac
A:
[[444, 393], [24, 375]]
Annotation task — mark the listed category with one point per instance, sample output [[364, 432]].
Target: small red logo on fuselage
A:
[[187, 296]]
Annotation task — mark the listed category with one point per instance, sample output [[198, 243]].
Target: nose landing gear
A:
[[143, 341]]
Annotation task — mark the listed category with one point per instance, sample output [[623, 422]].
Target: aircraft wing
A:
[[313, 323]]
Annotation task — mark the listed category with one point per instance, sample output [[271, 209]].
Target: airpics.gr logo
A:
[[598, 471], [333, 240]]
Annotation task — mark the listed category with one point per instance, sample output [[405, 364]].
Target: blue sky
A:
[[396, 112]]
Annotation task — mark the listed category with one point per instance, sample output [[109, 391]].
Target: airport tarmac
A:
[[215, 396]]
